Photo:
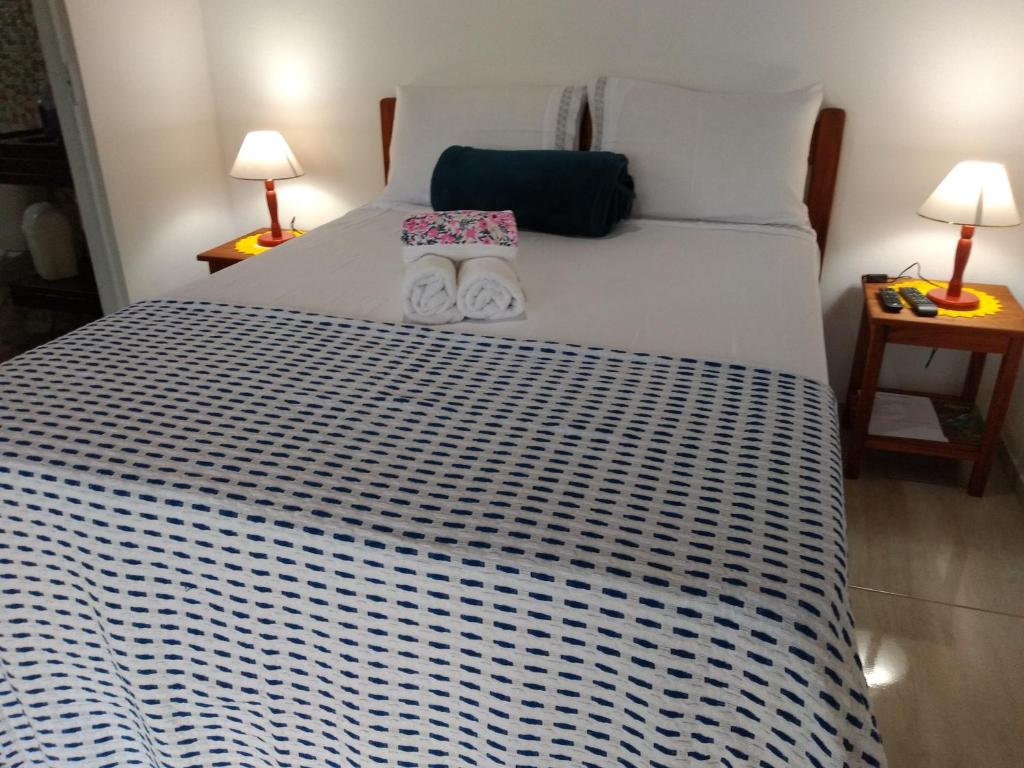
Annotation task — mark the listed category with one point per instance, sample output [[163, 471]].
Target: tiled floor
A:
[[938, 596]]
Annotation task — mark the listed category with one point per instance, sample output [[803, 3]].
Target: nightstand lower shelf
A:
[[961, 421], [969, 437]]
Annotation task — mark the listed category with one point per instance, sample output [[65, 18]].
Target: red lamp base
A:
[[965, 301], [267, 239]]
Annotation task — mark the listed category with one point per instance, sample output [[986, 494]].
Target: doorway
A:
[[59, 267], [47, 286]]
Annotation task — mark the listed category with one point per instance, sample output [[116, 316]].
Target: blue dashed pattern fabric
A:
[[260, 538]]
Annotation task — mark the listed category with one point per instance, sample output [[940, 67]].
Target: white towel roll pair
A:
[[434, 291]]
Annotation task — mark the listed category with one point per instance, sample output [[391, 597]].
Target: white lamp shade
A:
[[974, 193], [265, 155]]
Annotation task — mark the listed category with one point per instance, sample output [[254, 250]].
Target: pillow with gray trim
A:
[[696, 155], [429, 119]]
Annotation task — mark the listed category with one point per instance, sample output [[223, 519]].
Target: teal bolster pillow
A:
[[563, 192]]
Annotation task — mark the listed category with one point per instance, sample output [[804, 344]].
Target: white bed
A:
[[262, 523], [727, 292]]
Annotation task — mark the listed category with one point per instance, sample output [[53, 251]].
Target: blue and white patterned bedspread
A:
[[261, 538]]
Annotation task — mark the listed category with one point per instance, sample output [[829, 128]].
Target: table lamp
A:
[[265, 156], [973, 194]]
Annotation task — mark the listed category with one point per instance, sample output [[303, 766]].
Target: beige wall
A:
[[924, 84], [146, 79]]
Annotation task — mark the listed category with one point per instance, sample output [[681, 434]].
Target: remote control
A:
[[890, 300], [921, 304]]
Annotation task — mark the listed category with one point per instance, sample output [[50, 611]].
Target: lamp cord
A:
[[909, 267], [903, 272]]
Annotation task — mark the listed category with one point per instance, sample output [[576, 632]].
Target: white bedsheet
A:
[[725, 292]]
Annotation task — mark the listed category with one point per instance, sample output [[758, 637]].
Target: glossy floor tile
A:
[[937, 593], [946, 683], [932, 540]]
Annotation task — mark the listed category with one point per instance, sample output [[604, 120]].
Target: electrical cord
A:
[[903, 272], [909, 267]]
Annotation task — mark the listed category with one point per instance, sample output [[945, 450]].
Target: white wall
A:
[[925, 83], [146, 79]]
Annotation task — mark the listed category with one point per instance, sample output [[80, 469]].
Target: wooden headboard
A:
[[826, 142]]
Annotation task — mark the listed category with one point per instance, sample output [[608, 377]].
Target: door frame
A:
[[69, 98]]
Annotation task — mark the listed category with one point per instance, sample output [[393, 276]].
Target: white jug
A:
[[13, 202], [50, 241]]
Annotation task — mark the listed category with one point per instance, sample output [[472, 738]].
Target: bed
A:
[[261, 523]]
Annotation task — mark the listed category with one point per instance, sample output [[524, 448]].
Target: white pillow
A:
[[430, 119], [736, 157]]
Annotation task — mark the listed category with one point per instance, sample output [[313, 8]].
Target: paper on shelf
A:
[[905, 416]]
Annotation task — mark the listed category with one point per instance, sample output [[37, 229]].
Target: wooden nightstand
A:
[[226, 254], [1001, 333]]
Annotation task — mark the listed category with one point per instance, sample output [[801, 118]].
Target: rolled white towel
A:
[[429, 291], [489, 290]]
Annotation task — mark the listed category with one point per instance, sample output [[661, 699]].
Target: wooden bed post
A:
[[824, 167], [387, 123]]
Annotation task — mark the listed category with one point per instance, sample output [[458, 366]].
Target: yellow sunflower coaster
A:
[[250, 246], [988, 304]]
